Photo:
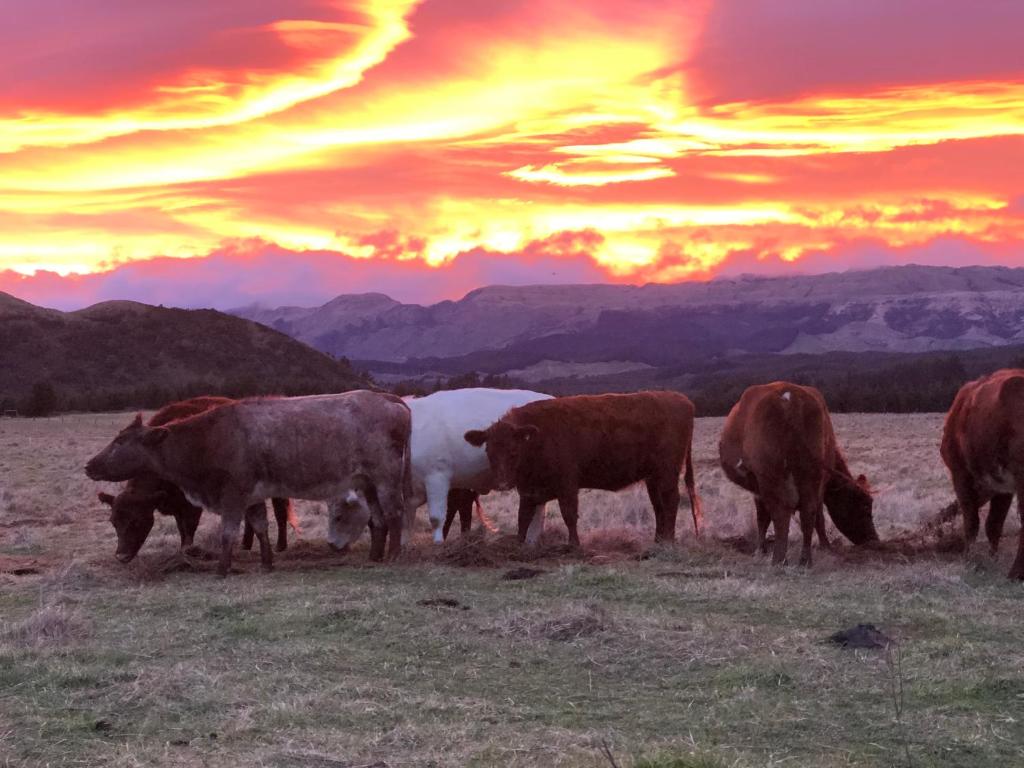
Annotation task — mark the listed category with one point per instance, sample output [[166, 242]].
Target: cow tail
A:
[[408, 512], [485, 521], [691, 490], [289, 513]]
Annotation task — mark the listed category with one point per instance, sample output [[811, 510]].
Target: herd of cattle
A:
[[375, 459]]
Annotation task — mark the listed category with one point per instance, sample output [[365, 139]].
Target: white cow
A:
[[441, 457]]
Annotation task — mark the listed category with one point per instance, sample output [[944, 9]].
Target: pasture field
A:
[[692, 656]]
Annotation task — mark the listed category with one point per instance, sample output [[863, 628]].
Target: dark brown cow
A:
[[778, 443], [351, 448], [132, 510], [983, 446], [550, 449]]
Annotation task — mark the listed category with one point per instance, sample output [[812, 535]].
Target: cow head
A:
[[131, 514], [507, 446], [129, 454], [850, 506], [347, 518]]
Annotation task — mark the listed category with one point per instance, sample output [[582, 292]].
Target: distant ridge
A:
[[497, 329], [123, 353]]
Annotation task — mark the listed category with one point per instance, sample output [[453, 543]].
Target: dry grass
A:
[[690, 656]]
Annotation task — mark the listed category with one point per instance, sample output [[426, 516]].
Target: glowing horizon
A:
[[664, 141]]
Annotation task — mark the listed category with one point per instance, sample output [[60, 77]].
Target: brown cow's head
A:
[[129, 455], [506, 446], [131, 514], [850, 506]]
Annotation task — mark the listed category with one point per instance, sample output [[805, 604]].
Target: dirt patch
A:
[[443, 602], [861, 636], [519, 574], [23, 565]]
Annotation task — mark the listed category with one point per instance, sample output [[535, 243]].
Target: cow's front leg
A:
[[527, 515], [437, 487], [231, 516], [998, 507], [256, 521]]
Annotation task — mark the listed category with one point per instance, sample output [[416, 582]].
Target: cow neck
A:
[[184, 446]]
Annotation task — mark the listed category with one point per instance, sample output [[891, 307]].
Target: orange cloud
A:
[[405, 131]]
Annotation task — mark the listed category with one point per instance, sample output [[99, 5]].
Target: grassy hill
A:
[[121, 353]]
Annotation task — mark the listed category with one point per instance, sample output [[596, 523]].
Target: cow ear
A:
[[106, 498], [153, 437], [528, 433], [476, 437], [137, 422]]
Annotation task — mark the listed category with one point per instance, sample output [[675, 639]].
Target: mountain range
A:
[[546, 333]]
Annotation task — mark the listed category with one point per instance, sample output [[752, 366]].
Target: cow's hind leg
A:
[[231, 516], [764, 519], [568, 504], [997, 511], [256, 519], [282, 513], [247, 534], [437, 487], [780, 514], [657, 504], [1017, 569]]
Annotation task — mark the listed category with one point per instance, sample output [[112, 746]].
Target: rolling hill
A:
[[122, 353]]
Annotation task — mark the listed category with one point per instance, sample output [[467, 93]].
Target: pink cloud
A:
[[765, 51], [249, 273]]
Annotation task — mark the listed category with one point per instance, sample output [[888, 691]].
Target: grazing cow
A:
[[443, 461], [348, 449], [778, 443], [551, 449], [132, 510], [983, 446]]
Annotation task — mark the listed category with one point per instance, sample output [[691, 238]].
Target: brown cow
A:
[[778, 443], [351, 448], [132, 510], [983, 446], [550, 449]]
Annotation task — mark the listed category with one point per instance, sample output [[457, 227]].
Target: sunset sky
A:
[[200, 153]]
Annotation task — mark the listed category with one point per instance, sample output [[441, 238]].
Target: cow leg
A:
[[247, 534], [527, 518], [780, 514], [388, 507], [764, 519], [460, 502], [469, 498], [1017, 569], [969, 502], [282, 511], [819, 525], [378, 538], [568, 504], [187, 521], [997, 511], [670, 509], [535, 528], [654, 493], [437, 487], [809, 514], [256, 520], [230, 518]]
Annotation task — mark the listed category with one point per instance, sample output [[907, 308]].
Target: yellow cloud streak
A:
[[208, 102]]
